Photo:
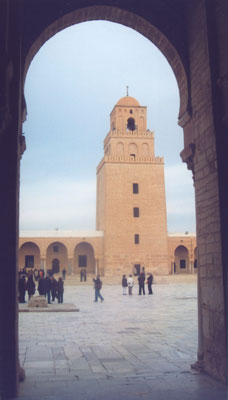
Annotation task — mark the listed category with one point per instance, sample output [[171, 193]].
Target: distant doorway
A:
[[55, 266], [137, 269], [181, 260], [84, 258]]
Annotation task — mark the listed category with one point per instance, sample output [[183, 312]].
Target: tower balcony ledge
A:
[[123, 159]]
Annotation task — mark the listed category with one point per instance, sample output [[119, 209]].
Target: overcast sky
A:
[[72, 85]]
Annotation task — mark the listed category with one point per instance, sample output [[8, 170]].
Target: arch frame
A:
[[128, 19]]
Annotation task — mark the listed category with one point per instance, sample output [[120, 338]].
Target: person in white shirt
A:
[[130, 284]]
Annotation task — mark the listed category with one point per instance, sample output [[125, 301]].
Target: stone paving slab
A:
[[126, 348]]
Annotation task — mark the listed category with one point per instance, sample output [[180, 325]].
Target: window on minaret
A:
[[131, 124], [136, 238], [135, 188], [136, 212]]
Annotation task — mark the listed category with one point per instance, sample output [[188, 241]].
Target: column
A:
[[70, 266], [43, 264]]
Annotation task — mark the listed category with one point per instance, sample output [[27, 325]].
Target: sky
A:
[[72, 85]]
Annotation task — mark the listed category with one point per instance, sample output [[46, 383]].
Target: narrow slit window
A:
[[136, 212], [136, 238], [135, 188]]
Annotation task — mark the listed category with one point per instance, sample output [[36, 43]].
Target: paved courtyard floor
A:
[[127, 347]]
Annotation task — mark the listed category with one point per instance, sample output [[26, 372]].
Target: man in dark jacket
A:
[[141, 280], [97, 287], [41, 286], [149, 283], [22, 288], [30, 286], [47, 288], [53, 288], [124, 284]]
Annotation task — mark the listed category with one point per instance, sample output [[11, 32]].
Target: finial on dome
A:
[[127, 90]]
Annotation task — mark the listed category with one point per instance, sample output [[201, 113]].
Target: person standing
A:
[[53, 288], [124, 284], [36, 274], [60, 290], [149, 283], [47, 288], [97, 287], [41, 286], [22, 288], [81, 274], [64, 273], [30, 286], [85, 275], [130, 284], [141, 280]]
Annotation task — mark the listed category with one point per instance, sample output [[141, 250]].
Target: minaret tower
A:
[[131, 204]]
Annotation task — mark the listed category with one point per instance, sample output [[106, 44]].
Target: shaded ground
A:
[[128, 347]]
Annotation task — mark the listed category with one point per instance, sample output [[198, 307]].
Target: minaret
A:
[[131, 204]]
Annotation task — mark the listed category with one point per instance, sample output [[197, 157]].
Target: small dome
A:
[[128, 101]]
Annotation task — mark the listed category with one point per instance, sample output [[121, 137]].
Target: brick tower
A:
[[131, 204]]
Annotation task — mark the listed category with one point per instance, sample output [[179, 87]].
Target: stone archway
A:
[[181, 255], [192, 121], [84, 258], [56, 257], [29, 256], [129, 19]]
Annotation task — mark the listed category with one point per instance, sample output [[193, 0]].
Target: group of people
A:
[[47, 286], [52, 289], [128, 283], [37, 273]]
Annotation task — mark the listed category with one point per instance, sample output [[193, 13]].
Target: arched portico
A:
[[56, 257], [29, 256], [181, 255], [200, 36], [84, 258]]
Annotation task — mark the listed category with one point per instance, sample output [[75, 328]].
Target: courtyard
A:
[[127, 347]]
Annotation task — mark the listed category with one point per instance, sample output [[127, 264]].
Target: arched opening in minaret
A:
[[131, 124], [76, 143]]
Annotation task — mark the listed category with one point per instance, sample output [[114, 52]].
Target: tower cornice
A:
[[130, 160], [128, 134]]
